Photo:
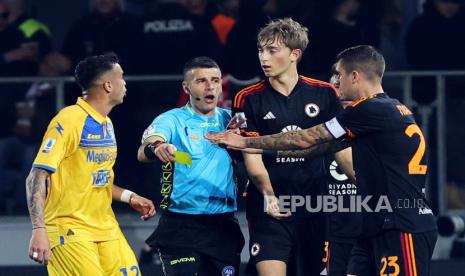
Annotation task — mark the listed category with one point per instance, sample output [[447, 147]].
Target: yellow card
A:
[[182, 158]]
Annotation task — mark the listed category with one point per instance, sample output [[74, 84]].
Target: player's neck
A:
[[371, 90], [285, 82], [210, 113], [100, 105]]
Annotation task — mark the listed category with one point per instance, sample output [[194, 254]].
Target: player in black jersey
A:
[[284, 102], [389, 153], [343, 228]]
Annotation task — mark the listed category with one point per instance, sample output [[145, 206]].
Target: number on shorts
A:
[[325, 259], [392, 262], [414, 166], [133, 268]]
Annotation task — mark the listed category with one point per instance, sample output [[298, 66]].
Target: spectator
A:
[[18, 55], [107, 28], [175, 33], [36, 35], [435, 41], [391, 35], [332, 35], [32, 116], [225, 19], [240, 58], [436, 38]]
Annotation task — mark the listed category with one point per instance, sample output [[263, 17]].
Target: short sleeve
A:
[[251, 128], [357, 121], [60, 140], [334, 104], [163, 126]]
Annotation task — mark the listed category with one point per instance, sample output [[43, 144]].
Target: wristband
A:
[[149, 149], [126, 196]]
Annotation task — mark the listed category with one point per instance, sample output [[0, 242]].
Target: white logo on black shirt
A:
[[269, 116]]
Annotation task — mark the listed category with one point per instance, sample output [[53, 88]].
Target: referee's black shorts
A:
[[198, 244], [394, 252]]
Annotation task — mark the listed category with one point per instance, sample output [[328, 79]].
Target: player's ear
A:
[[355, 76], [296, 54], [107, 86], [185, 88]]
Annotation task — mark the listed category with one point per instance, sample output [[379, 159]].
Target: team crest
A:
[[312, 110], [228, 271], [255, 249]]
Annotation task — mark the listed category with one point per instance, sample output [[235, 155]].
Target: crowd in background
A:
[[158, 37]]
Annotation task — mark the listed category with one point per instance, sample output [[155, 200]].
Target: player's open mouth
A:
[[209, 98], [266, 67]]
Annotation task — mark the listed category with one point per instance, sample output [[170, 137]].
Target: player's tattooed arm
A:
[[317, 150], [36, 190], [301, 139]]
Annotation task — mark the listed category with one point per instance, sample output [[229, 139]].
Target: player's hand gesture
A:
[[272, 207], [39, 246], [237, 121], [231, 140], [165, 152], [142, 205]]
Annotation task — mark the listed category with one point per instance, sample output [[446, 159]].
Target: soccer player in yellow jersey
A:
[[70, 187]]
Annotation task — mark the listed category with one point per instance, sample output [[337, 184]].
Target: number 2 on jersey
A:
[[414, 166]]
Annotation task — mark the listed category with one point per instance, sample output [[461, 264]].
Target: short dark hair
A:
[[91, 68], [364, 58], [199, 62]]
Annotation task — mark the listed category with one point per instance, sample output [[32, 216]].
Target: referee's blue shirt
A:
[[206, 186]]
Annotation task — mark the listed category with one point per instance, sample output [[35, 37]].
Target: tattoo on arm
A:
[[317, 150], [301, 139], [35, 194]]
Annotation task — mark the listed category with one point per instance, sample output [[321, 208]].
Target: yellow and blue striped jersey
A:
[[79, 150]]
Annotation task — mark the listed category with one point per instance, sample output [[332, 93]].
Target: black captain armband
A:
[[149, 149]]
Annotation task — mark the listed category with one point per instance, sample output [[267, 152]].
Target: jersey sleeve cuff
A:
[[44, 167], [157, 135], [335, 128]]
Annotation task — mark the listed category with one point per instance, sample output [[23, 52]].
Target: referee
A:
[[197, 233]]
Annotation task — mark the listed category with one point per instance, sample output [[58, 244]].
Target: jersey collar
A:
[[293, 92], [191, 111], [90, 110]]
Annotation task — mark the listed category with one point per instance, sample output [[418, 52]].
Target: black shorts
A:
[[337, 257], [394, 252], [198, 244], [298, 242], [361, 262]]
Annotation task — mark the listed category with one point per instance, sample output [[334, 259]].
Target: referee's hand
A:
[[272, 207], [165, 152]]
